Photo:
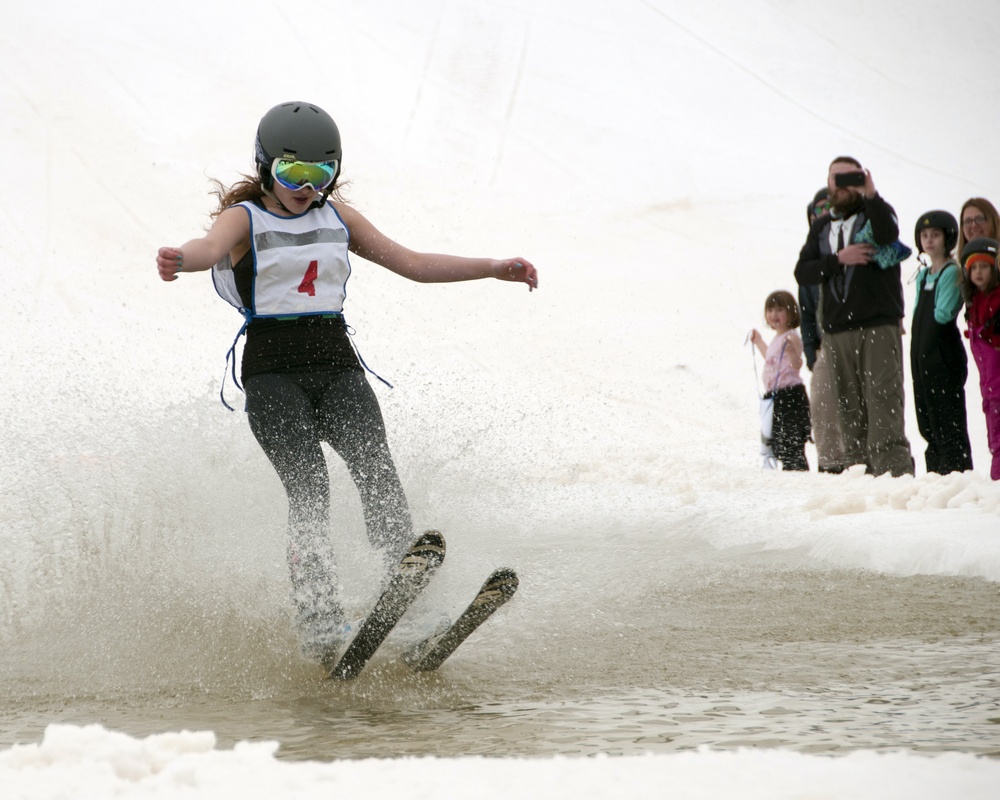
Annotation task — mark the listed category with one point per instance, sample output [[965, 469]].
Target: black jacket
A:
[[808, 323], [854, 297]]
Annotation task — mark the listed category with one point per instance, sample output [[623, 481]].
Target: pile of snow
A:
[[71, 763]]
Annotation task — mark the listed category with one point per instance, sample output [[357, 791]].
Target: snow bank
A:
[[92, 762]]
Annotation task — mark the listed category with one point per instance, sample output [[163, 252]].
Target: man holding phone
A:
[[849, 253]]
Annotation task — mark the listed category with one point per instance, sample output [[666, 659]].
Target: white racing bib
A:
[[300, 264]]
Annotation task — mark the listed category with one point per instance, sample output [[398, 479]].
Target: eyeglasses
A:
[[297, 175], [821, 208], [977, 220]]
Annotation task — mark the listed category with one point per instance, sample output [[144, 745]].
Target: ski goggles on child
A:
[[297, 175]]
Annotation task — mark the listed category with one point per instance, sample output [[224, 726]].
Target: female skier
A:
[[278, 251]]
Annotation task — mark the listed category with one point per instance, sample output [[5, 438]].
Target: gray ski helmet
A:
[[942, 220], [296, 130], [981, 244]]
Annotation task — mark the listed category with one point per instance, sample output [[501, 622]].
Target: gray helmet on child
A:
[[942, 220], [981, 244], [297, 130]]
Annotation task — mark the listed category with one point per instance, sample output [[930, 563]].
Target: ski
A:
[[432, 652], [414, 573]]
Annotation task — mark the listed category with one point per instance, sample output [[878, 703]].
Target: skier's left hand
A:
[[518, 270]]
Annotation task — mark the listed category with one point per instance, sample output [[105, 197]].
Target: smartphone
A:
[[849, 179]]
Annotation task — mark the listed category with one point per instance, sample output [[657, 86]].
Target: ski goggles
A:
[[297, 175]]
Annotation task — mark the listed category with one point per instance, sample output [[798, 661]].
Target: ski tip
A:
[[427, 552], [429, 538], [503, 579]]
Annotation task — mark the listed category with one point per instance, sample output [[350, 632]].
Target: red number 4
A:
[[308, 285]]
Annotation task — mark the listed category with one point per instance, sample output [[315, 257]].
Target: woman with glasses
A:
[[278, 250], [979, 218]]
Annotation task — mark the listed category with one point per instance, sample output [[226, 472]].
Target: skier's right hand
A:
[[169, 261]]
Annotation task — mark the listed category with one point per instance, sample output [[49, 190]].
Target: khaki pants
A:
[[825, 415], [867, 369]]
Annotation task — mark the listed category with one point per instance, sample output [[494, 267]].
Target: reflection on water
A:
[[737, 655], [962, 715], [966, 719]]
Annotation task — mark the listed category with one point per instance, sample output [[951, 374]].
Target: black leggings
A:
[[290, 415], [791, 427]]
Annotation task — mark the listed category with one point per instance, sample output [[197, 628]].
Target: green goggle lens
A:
[[296, 175]]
